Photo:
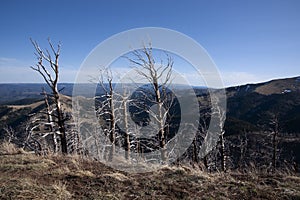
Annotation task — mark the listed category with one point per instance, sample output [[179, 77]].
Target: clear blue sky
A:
[[249, 40]]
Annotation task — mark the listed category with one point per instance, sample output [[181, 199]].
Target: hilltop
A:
[[27, 176]]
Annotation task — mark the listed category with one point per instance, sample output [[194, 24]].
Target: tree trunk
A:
[[112, 135], [274, 144], [162, 138], [222, 152], [127, 139], [195, 152], [50, 122], [205, 162], [60, 123]]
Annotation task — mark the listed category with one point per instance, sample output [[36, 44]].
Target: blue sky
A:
[[250, 41]]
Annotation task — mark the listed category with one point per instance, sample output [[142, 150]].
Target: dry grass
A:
[[277, 86], [24, 176], [61, 190], [118, 176], [32, 106], [7, 148]]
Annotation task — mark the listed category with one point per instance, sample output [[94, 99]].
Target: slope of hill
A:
[[250, 109], [277, 86], [18, 112], [24, 176], [253, 105]]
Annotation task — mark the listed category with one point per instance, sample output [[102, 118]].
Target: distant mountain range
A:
[[247, 105], [250, 109], [19, 93], [22, 93]]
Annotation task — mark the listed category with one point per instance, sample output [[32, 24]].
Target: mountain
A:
[[250, 110], [247, 105], [250, 106], [26, 93]]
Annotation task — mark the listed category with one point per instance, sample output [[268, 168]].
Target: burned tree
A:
[[221, 115], [127, 145], [212, 128], [158, 75], [274, 128], [106, 111], [48, 67]]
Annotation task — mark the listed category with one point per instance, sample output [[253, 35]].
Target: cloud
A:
[[4, 60], [13, 70], [234, 78]]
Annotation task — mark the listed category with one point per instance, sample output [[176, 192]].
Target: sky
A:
[[250, 41]]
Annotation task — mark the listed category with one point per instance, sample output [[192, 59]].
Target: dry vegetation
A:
[[278, 86], [27, 176]]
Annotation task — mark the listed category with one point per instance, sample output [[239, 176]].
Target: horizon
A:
[[250, 42], [60, 83]]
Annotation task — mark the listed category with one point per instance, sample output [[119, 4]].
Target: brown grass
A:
[[8, 148], [24, 176], [277, 86], [32, 106]]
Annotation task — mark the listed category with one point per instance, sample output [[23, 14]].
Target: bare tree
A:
[[48, 67], [220, 114], [10, 134], [274, 125], [126, 125], [107, 110], [32, 142], [50, 121], [159, 76]]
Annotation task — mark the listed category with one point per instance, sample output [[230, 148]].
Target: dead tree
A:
[[48, 67], [50, 121], [158, 75], [31, 142], [10, 134], [220, 113], [274, 125], [107, 110], [126, 125]]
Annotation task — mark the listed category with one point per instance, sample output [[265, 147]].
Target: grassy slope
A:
[[26, 176]]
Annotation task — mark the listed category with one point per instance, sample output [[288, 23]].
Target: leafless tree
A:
[[125, 100], [10, 134], [107, 109], [219, 113], [158, 75], [33, 141], [48, 67], [50, 121], [274, 126]]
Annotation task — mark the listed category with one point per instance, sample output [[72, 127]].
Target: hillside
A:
[[250, 106], [17, 112], [249, 109], [26, 176]]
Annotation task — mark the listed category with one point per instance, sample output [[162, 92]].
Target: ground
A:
[[27, 176]]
